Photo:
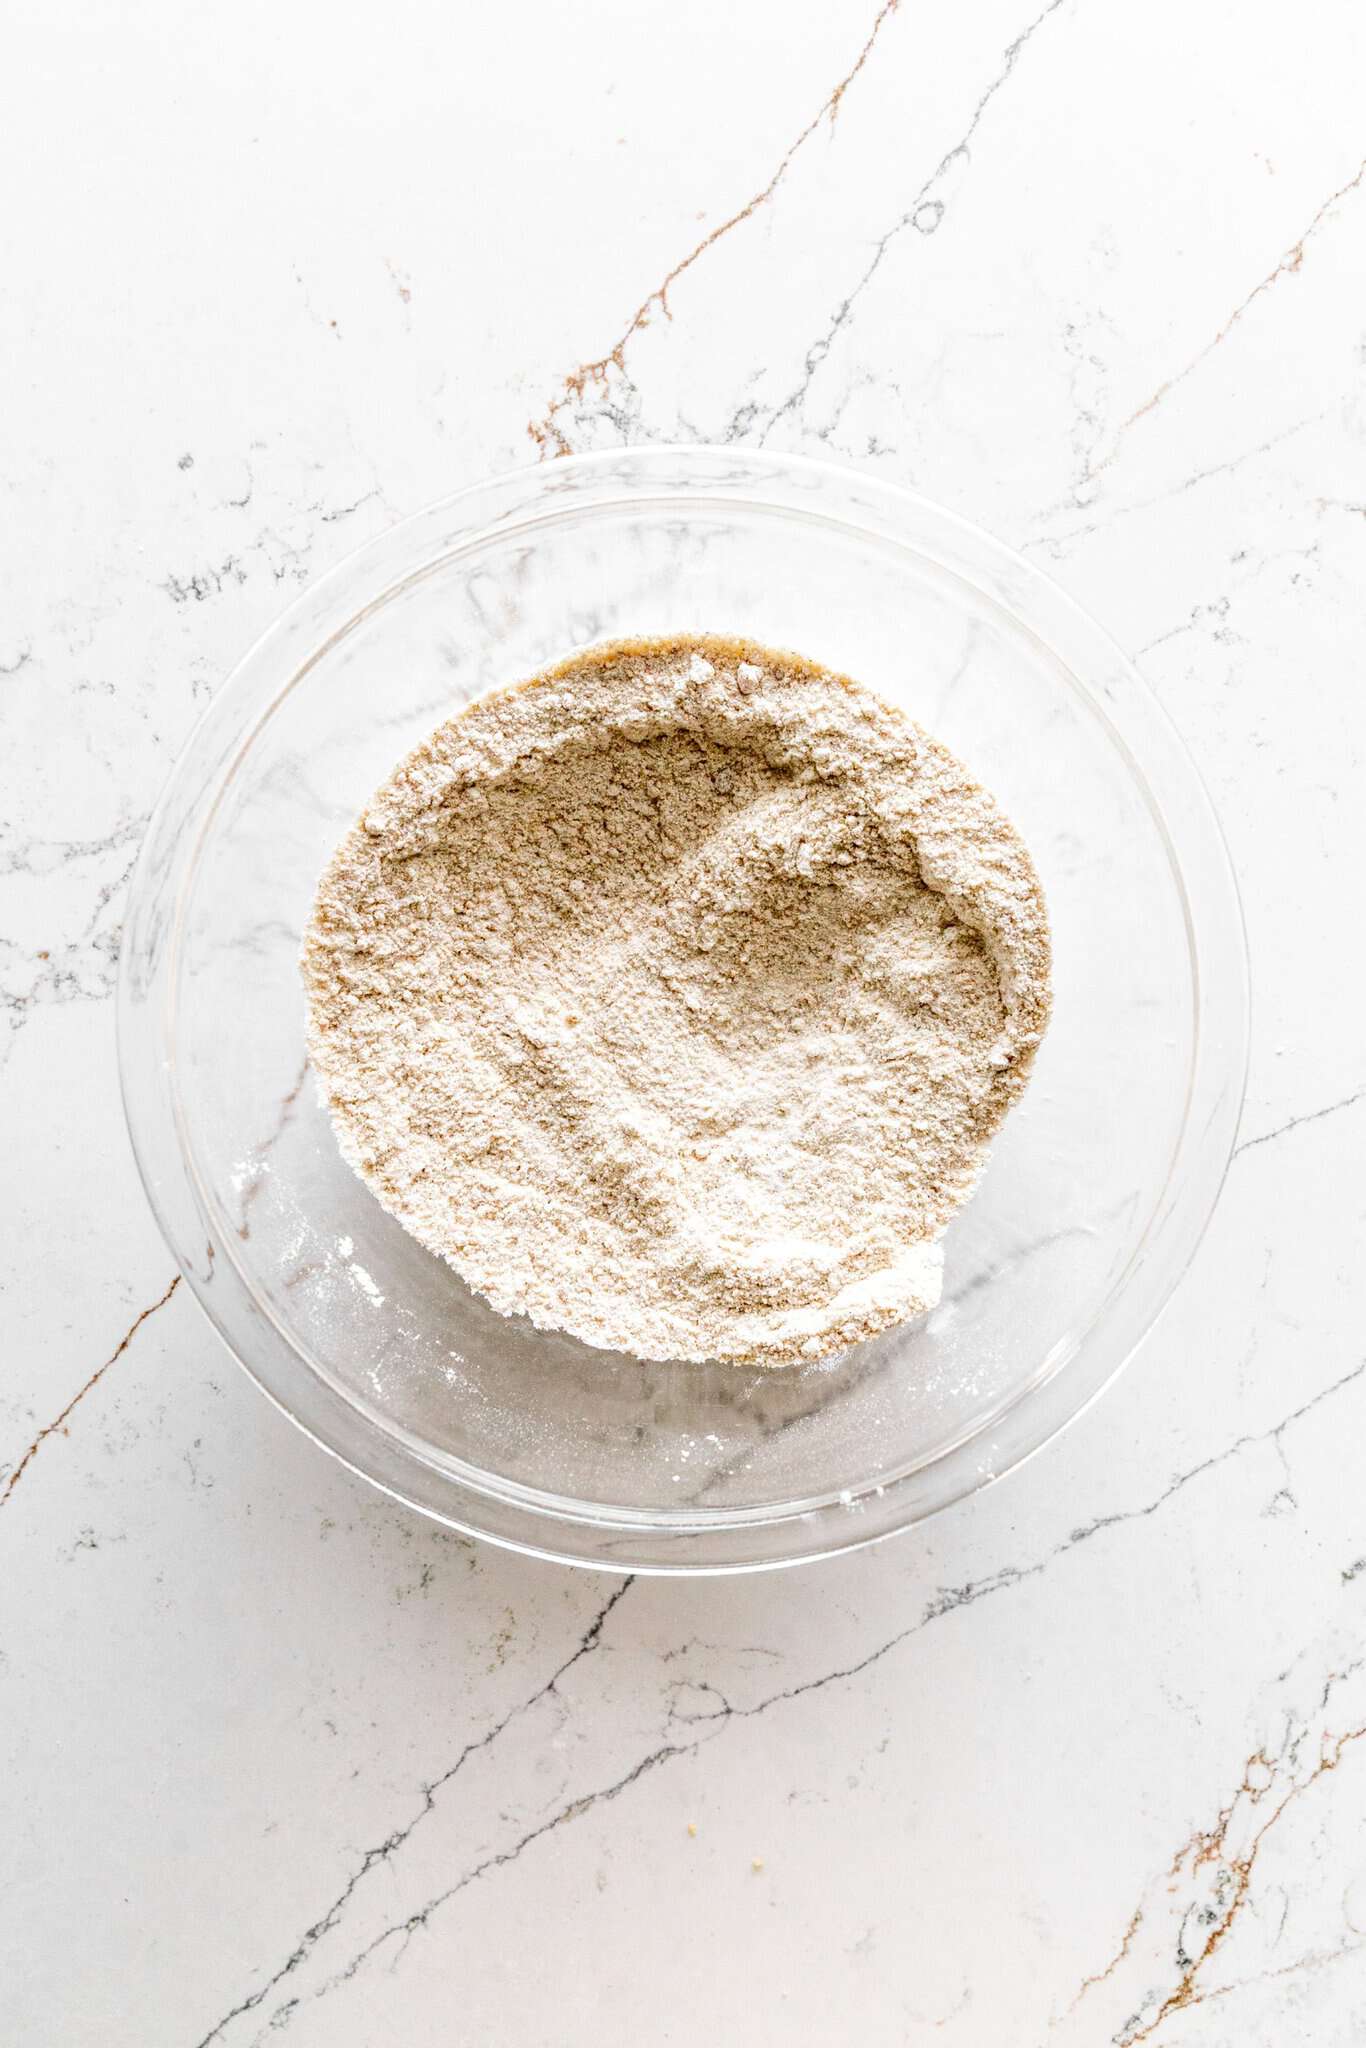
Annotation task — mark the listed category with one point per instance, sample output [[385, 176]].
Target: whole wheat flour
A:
[[673, 997]]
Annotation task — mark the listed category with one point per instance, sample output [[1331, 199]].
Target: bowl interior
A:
[[1078, 1174]]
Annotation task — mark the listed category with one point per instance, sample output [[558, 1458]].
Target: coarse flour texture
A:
[[674, 996]]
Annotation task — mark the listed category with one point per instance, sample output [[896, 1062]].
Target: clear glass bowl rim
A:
[[697, 1540]]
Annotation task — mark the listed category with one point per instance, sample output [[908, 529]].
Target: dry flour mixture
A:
[[674, 997]]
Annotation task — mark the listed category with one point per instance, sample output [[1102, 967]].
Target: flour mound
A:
[[674, 996]]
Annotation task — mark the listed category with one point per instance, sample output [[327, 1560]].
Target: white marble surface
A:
[[1086, 1760]]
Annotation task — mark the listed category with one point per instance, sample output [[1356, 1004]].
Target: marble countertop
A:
[[1085, 1760]]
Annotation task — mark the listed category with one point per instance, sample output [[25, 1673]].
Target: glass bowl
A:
[[1099, 1184]]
